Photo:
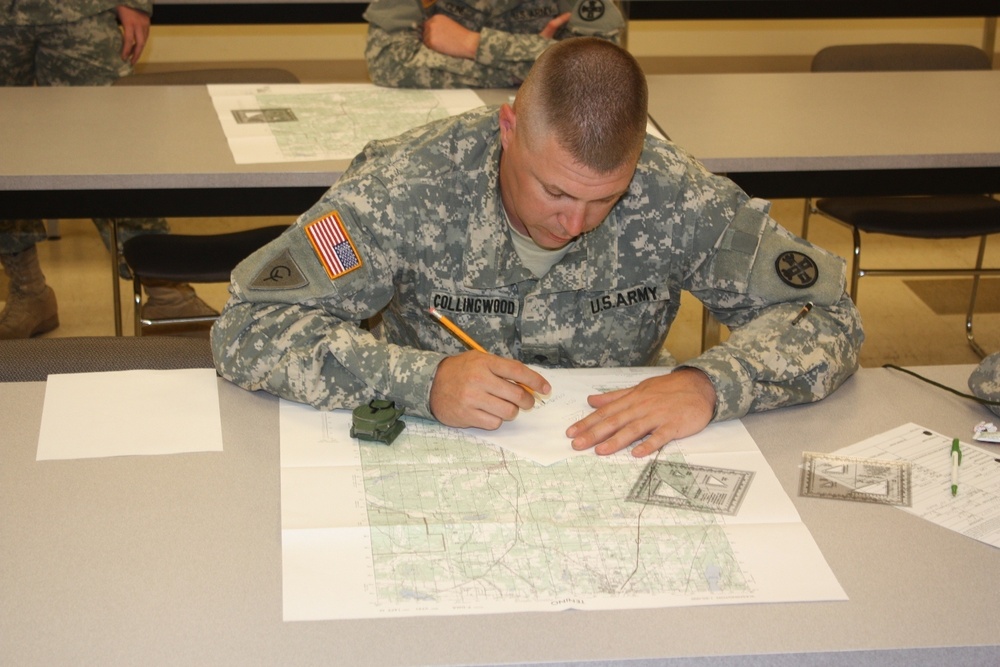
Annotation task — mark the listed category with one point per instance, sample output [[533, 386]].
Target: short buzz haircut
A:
[[591, 94]]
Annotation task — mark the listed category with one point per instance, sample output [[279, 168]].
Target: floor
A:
[[912, 322]]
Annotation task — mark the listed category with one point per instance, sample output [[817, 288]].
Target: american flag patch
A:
[[333, 246]]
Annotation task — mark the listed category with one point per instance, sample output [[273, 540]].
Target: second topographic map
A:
[[294, 123]]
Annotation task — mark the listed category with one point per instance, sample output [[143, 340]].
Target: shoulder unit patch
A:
[[796, 269], [280, 273], [591, 10]]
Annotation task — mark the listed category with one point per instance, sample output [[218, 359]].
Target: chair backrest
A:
[[899, 57], [194, 258], [200, 77]]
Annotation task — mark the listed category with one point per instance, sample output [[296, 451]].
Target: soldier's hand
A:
[[135, 32], [477, 389], [664, 408], [552, 27], [449, 37]]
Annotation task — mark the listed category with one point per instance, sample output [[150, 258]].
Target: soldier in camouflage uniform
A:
[[985, 381], [71, 43], [474, 43], [554, 232]]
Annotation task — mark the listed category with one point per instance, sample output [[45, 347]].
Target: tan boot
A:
[[168, 300], [31, 304]]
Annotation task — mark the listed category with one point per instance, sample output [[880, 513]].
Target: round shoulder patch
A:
[[591, 10], [796, 269]]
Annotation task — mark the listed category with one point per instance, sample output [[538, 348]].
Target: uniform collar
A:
[[490, 259]]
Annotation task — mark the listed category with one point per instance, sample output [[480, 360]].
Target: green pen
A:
[[956, 460]]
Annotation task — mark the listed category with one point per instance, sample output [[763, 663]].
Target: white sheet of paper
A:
[[305, 122], [539, 434], [123, 413], [975, 511]]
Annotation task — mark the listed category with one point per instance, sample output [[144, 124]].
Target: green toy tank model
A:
[[377, 422]]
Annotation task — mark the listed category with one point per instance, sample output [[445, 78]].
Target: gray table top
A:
[[92, 138], [135, 137], [130, 137], [177, 560], [831, 121]]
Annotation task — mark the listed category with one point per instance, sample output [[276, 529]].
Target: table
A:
[[79, 152], [139, 151], [838, 133], [177, 560], [796, 135], [89, 151]]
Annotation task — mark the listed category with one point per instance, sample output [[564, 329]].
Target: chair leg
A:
[[809, 210], [115, 287], [136, 304], [711, 330], [856, 271], [972, 301], [52, 231]]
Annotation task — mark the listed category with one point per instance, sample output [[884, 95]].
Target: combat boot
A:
[[167, 300], [31, 304]]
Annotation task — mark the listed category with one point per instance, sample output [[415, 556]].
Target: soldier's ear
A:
[[508, 123]]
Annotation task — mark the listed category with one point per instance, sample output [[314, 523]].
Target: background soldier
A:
[[475, 44]]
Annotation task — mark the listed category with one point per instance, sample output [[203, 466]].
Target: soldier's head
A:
[[572, 139], [590, 94]]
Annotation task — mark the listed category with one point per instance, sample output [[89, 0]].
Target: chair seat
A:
[[899, 57], [919, 217], [208, 258]]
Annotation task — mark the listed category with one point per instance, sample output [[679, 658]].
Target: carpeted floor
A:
[[950, 296]]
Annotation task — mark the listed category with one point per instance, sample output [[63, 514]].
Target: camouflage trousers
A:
[[84, 53]]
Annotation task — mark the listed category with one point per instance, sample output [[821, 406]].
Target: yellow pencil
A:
[[465, 338]]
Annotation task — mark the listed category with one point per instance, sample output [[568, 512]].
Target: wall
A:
[[789, 37], [660, 45]]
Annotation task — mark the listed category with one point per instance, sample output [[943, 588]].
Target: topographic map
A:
[[289, 123], [455, 521], [445, 522]]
